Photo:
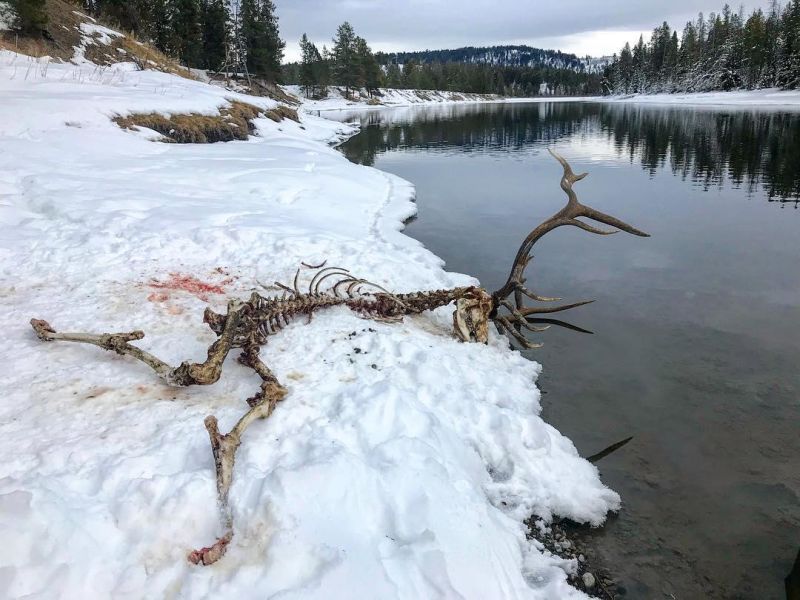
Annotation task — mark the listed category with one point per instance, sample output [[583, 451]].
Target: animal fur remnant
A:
[[247, 325]]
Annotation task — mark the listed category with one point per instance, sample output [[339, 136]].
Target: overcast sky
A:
[[595, 27]]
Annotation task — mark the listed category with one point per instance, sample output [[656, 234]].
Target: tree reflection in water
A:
[[757, 150]]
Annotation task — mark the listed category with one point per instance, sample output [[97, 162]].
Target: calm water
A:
[[696, 338]]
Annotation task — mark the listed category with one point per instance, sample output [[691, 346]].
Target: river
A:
[[695, 331]]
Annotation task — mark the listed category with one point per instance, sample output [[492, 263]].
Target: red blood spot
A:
[[190, 284]]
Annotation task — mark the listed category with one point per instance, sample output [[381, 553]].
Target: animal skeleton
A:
[[249, 324]]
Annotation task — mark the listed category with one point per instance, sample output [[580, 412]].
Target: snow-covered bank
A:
[[767, 98], [401, 464], [385, 97], [748, 98]]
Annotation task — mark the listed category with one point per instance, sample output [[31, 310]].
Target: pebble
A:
[[581, 558], [588, 580]]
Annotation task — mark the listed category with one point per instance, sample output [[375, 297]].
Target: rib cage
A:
[[328, 286]]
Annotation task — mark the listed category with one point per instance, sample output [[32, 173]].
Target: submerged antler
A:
[[520, 317]]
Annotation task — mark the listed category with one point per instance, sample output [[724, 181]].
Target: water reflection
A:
[[759, 151]]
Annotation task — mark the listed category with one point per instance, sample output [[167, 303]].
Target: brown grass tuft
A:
[[282, 112], [234, 122], [30, 46]]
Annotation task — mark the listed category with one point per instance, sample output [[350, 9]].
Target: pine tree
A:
[[260, 38], [345, 67], [670, 67], [368, 70], [789, 72], [625, 76], [410, 79], [755, 45], [215, 20], [158, 27], [771, 53], [394, 76], [309, 71], [128, 15], [31, 15], [187, 32], [639, 73], [322, 72]]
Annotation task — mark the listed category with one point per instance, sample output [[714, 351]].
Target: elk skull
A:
[[471, 316]]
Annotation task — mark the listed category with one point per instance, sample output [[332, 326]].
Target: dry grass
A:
[[128, 49], [272, 90], [255, 87], [282, 112], [36, 47], [234, 122]]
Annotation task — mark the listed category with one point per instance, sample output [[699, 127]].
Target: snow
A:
[[103, 35], [337, 100], [92, 33], [401, 464], [765, 98]]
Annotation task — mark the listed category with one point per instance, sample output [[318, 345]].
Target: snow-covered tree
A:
[[31, 15], [722, 52]]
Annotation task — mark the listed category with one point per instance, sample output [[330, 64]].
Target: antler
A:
[[519, 317]]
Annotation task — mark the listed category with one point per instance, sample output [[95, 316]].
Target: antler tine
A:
[[568, 178], [540, 310], [505, 324], [596, 215], [519, 321]]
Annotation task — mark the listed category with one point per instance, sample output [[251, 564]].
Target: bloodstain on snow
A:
[[187, 283]]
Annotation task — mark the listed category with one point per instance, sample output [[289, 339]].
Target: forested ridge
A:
[[506, 55], [723, 51], [504, 70]]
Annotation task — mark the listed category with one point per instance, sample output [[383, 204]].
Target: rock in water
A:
[[588, 580]]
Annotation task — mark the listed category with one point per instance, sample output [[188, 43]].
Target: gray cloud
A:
[[420, 24]]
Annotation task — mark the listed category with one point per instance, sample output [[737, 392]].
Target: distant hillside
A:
[[504, 56]]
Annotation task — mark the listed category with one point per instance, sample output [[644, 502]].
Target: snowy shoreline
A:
[[755, 99], [766, 98], [402, 463]]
